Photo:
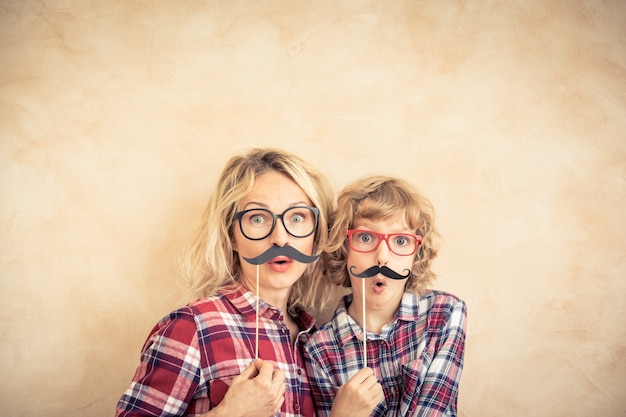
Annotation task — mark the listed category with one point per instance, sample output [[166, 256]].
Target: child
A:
[[384, 241]]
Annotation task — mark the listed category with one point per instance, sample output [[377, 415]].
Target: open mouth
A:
[[378, 286], [280, 260]]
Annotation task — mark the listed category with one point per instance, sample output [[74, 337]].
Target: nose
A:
[[382, 253], [279, 236]]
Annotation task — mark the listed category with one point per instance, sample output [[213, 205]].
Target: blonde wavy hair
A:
[[385, 198], [208, 261]]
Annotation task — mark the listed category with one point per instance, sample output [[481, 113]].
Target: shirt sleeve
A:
[[439, 393], [169, 371]]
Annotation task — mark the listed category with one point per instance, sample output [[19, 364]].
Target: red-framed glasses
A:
[[365, 241]]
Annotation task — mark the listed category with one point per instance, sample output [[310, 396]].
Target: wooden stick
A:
[[364, 324], [256, 346]]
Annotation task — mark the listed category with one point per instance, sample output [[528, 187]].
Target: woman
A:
[[253, 261]]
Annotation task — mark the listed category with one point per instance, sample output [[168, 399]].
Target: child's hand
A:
[[358, 396]]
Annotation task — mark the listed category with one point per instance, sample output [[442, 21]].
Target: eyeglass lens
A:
[[259, 223]]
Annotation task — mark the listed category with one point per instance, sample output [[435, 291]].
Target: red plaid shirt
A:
[[417, 358], [192, 355]]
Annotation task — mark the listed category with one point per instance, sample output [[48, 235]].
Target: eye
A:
[[257, 218], [365, 237], [297, 218], [401, 240]]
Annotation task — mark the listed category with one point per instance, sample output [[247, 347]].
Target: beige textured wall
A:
[[115, 118]]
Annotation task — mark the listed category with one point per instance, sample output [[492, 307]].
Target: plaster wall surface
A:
[[116, 118]]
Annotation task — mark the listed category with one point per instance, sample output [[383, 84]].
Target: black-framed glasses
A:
[[365, 241], [259, 223]]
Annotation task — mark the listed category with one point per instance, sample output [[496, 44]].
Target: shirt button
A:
[[298, 407], [299, 371]]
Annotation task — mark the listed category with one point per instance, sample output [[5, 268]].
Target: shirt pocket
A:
[[412, 377], [410, 374], [218, 388]]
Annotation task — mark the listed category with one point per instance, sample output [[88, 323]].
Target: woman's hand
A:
[[358, 396], [257, 392]]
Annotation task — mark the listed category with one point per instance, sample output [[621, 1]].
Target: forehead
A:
[[390, 224], [274, 190], [370, 210]]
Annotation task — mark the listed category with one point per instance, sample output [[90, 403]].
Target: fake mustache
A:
[[288, 251], [384, 270]]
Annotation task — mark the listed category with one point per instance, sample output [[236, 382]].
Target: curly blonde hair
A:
[[208, 260], [386, 198]]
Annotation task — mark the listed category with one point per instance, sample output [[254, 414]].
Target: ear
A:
[[233, 243]]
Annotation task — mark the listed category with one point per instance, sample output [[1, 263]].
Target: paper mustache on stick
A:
[[384, 270], [368, 273], [288, 251], [268, 255]]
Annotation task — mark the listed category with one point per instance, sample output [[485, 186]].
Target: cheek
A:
[[403, 264], [349, 259], [357, 259], [246, 247], [304, 245], [237, 240]]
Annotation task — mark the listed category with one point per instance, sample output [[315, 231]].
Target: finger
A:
[[281, 389], [258, 362], [266, 370], [376, 392], [278, 387], [376, 387], [361, 376], [370, 382], [380, 395], [281, 400], [278, 376], [365, 373], [250, 371]]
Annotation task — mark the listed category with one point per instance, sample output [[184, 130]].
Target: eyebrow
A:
[[368, 226], [265, 206]]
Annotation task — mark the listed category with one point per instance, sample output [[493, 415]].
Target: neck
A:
[[279, 300], [375, 316], [275, 297]]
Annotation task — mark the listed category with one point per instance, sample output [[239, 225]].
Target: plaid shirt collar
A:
[[347, 329], [244, 301]]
